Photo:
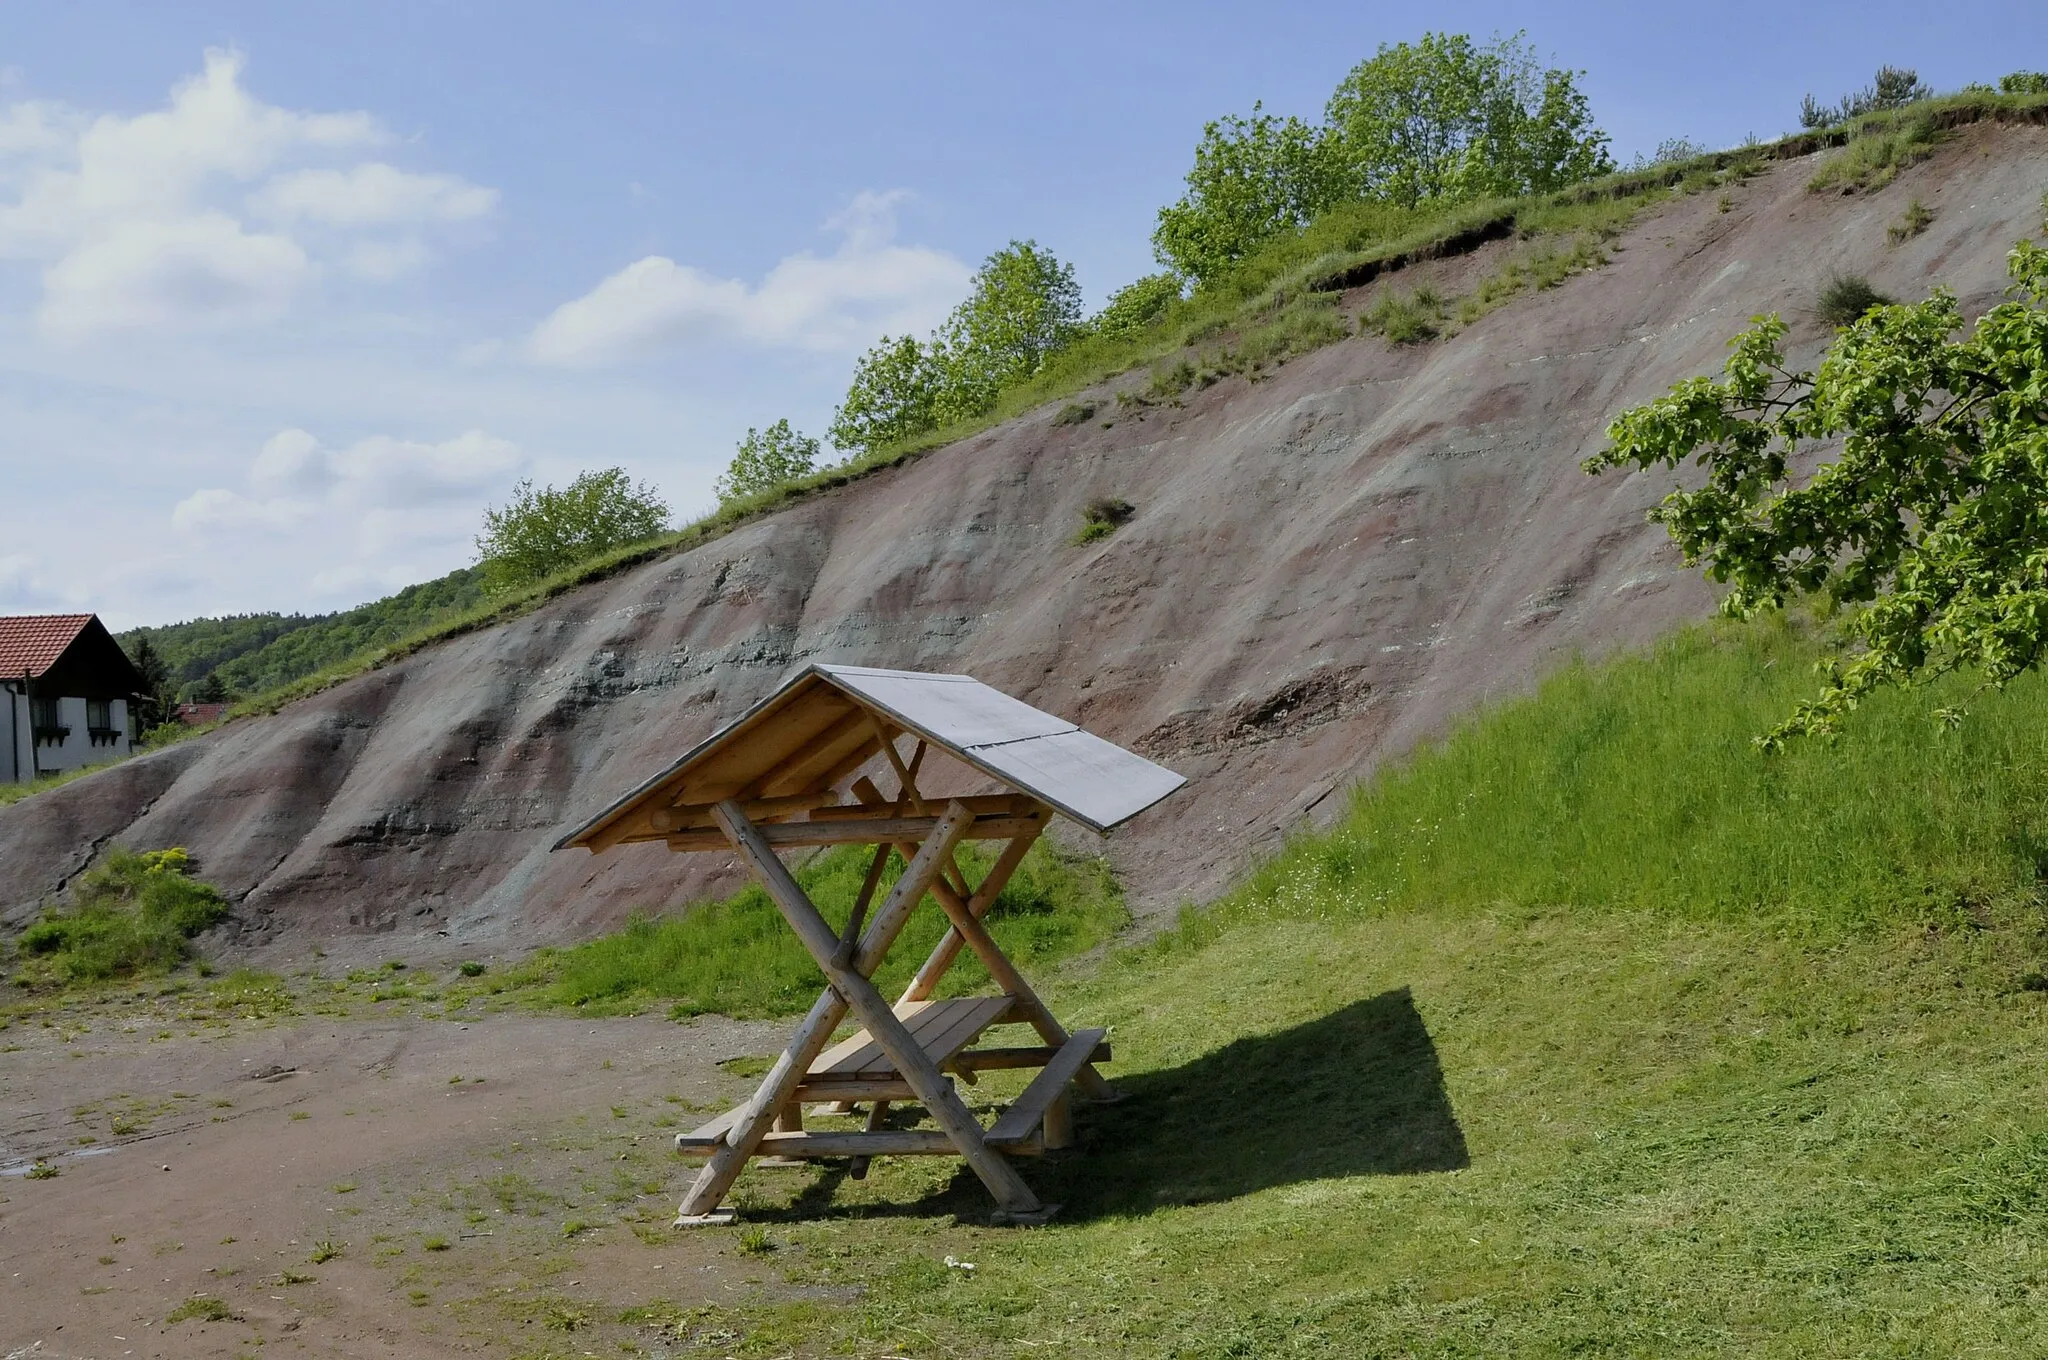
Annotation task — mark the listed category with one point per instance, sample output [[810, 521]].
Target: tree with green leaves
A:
[[894, 397], [765, 460], [1135, 306], [1445, 118], [1024, 307], [539, 533], [160, 690], [1253, 178], [1930, 526]]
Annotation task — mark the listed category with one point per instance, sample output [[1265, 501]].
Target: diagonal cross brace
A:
[[934, 1090], [815, 1032]]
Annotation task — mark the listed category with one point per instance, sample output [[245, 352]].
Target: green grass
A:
[[1592, 1030], [1635, 786], [737, 957], [129, 916], [1875, 157]]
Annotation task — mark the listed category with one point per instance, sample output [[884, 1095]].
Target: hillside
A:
[[255, 652], [1328, 562]]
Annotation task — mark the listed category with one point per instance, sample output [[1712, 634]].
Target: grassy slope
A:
[[1592, 1032]]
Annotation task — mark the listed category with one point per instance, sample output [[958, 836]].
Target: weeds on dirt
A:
[[1405, 319], [1102, 517], [1875, 158], [1075, 413], [1915, 219], [1845, 298], [202, 1308], [131, 915], [325, 1250]]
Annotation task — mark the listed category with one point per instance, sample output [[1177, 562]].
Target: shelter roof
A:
[[828, 721], [31, 643]]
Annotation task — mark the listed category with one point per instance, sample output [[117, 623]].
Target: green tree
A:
[[1024, 307], [1253, 178], [1446, 118], [765, 460], [1135, 306], [1932, 523], [542, 532], [1894, 88], [160, 699], [2024, 82], [894, 397]]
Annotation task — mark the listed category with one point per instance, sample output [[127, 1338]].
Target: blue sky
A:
[[289, 293]]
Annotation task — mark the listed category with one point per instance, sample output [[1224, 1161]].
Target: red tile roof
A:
[[32, 643]]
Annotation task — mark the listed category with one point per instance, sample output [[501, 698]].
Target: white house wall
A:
[[76, 751]]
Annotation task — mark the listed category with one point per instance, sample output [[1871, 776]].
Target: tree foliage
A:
[[1441, 118], [1024, 307], [1931, 524], [2024, 82], [894, 396], [765, 460], [1894, 87], [1445, 118], [1135, 306], [1252, 179], [539, 533]]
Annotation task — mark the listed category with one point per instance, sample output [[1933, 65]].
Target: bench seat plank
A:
[[1019, 1124]]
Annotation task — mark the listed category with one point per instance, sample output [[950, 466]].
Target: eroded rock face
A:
[[1325, 567]]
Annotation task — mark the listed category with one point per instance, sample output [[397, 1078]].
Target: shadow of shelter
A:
[[1353, 1093]]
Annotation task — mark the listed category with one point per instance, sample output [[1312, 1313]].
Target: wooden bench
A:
[[858, 1069]]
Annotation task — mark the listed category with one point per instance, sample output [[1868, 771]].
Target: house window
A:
[[43, 717], [99, 722]]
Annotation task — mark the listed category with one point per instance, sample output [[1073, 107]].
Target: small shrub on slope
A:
[[134, 914], [1845, 298]]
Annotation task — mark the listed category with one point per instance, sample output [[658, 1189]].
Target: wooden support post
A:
[[815, 1033], [1010, 980], [934, 1091], [948, 948]]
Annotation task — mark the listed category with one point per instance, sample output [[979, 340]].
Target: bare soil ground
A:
[[470, 1178]]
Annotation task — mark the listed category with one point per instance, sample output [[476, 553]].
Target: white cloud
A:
[[203, 269], [386, 494], [372, 195], [843, 301], [138, 221]]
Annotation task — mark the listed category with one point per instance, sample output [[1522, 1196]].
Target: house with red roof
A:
[[70, 695]]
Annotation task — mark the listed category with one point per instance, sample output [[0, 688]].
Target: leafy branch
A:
[[1931, 524]]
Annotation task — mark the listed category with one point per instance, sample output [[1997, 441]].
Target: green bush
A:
[[766, 460], [131, 915], [1102, 517], [737, 956], [1845, 298], [539, 533]]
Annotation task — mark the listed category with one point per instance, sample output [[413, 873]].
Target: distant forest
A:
[[250, 653]]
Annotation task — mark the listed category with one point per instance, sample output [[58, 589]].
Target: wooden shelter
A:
[[773, 780]]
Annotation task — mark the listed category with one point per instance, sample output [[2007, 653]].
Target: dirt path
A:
[[466, 1213]]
